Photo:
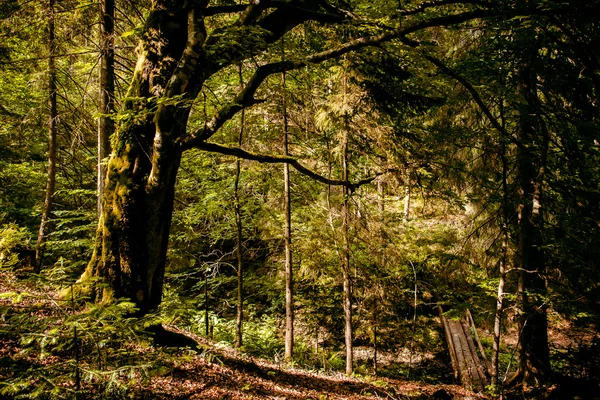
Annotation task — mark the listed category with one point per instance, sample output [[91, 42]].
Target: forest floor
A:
[[222, 373], [213, 371], [36, 349]]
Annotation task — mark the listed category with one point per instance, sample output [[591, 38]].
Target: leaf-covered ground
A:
[[37, 360], [211, 372], [220, 373], [237, 378]]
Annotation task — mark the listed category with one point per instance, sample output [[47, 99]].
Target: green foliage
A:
[[261, 338], [52, 344], [12, 239]]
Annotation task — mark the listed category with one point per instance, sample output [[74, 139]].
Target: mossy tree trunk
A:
[[137, 203]]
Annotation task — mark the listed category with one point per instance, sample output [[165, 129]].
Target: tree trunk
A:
[[52, 128], [346, 246], [406, 214], [289, 281], [133, 230], [381, 208], [534, 355], [206, 308], [238, 229], [503, 258], [106, 126]]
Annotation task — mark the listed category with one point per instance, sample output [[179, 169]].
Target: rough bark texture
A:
[[133, 230], [52, 128]]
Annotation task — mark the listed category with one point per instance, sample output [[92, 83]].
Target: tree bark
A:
[[346, 245], [503, 259], [289, 277], [106, 125], [52, 146], [534, 365], [238, 228], [133, 229]]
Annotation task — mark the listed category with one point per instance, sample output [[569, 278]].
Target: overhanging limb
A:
[[274, 159]]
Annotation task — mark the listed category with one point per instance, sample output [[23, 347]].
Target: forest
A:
[[299, 199]]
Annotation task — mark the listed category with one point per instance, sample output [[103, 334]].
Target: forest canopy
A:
[[308, 181]]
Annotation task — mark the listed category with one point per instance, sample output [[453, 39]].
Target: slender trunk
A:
[[106, 126], [406, 214], [289, 282], [206, 320], [52, 128], [346, 267], [503, 258], [240, 273], [346, 245], [414, 322], [381, 208], [238, 226]]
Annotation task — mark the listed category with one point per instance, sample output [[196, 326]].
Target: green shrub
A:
[[12, 238]]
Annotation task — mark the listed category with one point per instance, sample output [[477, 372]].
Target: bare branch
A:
[[7, 112], [274, 159]]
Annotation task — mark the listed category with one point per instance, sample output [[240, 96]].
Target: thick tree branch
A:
[[246, 97], [216, 10], [274, 159], [260, 24], [430, 4], [252, 12]]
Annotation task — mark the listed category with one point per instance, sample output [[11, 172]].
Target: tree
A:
[[348, 336], [106, 126], [534, 352], [180, 49], [287, 235], [52, 144], [238, 237]]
